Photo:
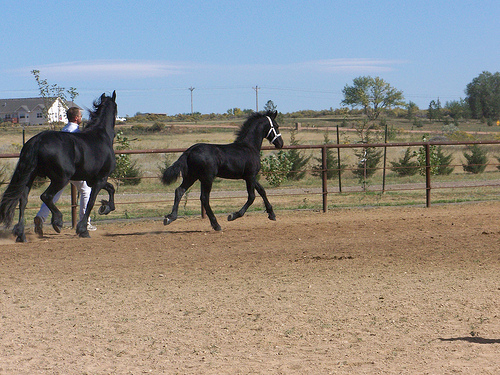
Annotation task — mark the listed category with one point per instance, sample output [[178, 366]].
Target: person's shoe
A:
[[38, 226], [91, 227]]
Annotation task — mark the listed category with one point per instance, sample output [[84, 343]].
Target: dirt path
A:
[[352, 291]]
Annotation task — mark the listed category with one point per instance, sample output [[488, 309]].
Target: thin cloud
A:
[[122, 70], [112, 69], [360, 65]]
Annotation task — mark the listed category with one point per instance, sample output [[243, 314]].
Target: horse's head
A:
[[103, 116], [272, 130]]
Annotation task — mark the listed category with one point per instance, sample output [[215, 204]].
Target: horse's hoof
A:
[[21, 238], [272, 217], [217, 228], [84, 234], [167, 220], [231, 217], [104, 210], [56, 227]]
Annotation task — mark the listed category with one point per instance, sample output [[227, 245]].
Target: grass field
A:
[[151, 199]]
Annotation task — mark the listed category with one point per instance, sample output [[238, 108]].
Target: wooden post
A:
[[74, 206], [324, 178], [427, 174]]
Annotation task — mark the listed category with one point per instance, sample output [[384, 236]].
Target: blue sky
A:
[[299, 53]]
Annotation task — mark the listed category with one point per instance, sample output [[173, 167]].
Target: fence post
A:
[[427, 174], [338, 161], [74, 206], [324, 177], [385, 161]]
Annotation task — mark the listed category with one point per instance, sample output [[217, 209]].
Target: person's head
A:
[[74, 115]]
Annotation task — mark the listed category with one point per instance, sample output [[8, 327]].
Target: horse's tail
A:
[[172, 173], [28, 160]]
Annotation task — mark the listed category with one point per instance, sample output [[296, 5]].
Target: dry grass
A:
[[151, 199]]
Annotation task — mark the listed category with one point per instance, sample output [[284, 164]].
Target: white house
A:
[[29, 111]]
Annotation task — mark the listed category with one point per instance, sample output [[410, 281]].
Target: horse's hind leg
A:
[[108, 206], [269, 208], [18, 229], [47, 197], [206, 187], [179, 192], [250, 200]]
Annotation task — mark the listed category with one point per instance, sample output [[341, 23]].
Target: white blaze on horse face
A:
[[272, 130]]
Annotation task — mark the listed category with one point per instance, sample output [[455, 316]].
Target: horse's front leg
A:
[[18, 229], [206, 187], [251, 198], [108, 206], [81, 227], [269, 208]]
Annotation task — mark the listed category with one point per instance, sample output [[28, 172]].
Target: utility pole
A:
[[191, 89], [256, 88]]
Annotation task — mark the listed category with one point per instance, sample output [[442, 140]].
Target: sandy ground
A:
[[353, 291]]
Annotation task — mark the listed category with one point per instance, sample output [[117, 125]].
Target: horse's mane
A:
[[248, 124], [94, 115]]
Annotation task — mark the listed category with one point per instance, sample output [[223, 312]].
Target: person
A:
[[74, 120]]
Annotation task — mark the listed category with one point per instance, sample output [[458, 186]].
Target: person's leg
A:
[[84, 191]]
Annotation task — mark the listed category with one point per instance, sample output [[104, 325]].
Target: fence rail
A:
[[324, 191]]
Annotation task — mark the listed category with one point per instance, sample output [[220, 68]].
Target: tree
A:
[[270, 106], [476, 159], [368, 157], [457, 109], [373, 95], [49, 92], [405, 166], [483, 96], [297, 160], [434, 110], [412, 109]]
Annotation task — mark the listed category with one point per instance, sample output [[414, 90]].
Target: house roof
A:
[[26, 104]]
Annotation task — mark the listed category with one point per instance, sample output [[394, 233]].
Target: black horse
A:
[[61, 157], [237, 160]]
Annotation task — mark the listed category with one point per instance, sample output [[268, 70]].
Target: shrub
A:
[[440, 162], [405, 166], [332, 164], [126, 171], [476, 159], [297, 161], [276, 168], [368, 160]]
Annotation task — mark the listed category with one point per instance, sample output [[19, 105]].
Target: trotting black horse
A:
[[61, 157], [237, 160]]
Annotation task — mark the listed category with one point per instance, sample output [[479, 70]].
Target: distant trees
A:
[[483, 96], [373, 95]]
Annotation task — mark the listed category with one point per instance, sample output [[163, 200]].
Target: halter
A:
[[272, 130]]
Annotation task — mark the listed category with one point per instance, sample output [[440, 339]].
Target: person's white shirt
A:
[[71, 127]]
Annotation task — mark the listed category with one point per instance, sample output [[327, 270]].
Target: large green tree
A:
[[483, 96], [373, 95]]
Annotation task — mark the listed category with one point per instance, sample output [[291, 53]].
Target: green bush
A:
[[126, 171], [297, 161], [368, 160], [476, 159], [405, 166], [332, 163], [276, 168]]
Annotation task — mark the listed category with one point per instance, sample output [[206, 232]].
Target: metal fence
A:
[[325, 191]]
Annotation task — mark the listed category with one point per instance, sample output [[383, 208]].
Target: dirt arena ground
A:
[[353, 291]]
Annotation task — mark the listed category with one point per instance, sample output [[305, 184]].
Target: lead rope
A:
[[272, 129]]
